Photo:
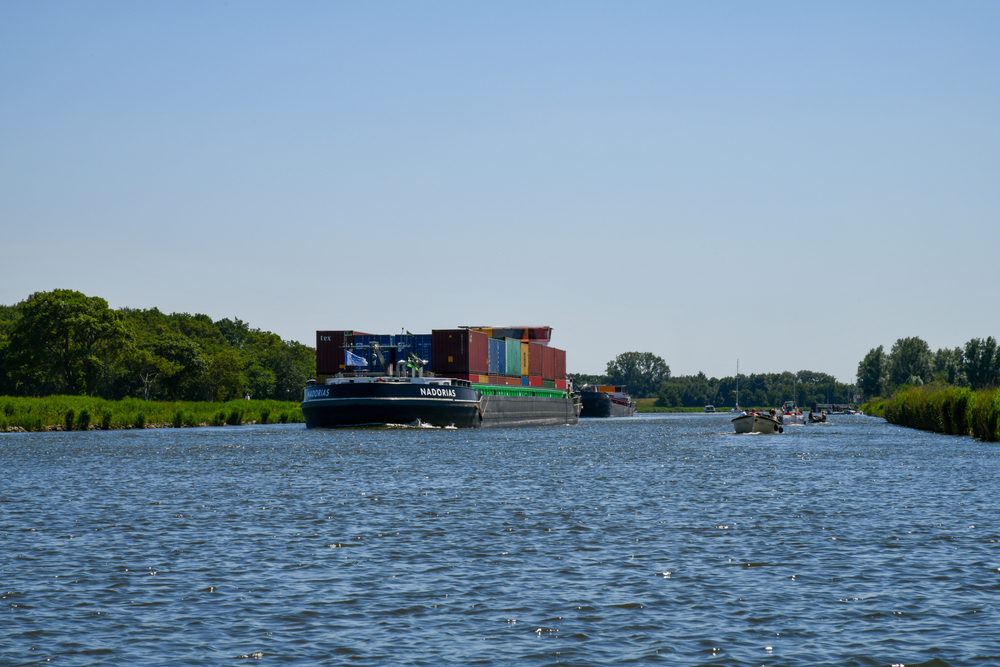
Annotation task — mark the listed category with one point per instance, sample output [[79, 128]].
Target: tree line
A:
[[648, 376], [64, 342], [910, 362]]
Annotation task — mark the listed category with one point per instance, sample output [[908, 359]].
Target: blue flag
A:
[[351, 359]]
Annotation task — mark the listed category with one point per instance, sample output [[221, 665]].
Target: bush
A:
[[140, 420], [178, 419], [189, 419], [83, 420], [283, 417], [68, 420], [3, 422], [218, 419], [264, 416], [235, 417], [29, 422], [106, 420]]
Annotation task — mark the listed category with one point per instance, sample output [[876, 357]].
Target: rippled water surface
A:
[[647, 540]]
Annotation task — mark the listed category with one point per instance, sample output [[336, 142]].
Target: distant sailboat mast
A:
[[737, 386]]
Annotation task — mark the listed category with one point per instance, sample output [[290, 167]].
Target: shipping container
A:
[[498, 356], [524, 381], [330, 351], [560, 363], [549, 384], [513, 346], [535, 380], [459, 351], [494, 379], [560, 384], [525, 365], [548, 363], [535, 354]]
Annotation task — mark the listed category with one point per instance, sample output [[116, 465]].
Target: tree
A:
[[67, 334], [871, 373], [981, 363], [908, 361], [641, 372]]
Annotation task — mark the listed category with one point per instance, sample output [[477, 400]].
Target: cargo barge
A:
[[606, 401], [473, 377]]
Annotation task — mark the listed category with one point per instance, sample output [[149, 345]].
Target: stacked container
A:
[[460, 353], [330, 351], [560, 379], [513, 353]]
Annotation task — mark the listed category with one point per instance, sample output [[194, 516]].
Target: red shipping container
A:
[[560, 364], [535, 353], [459, 351], [535, 380], [560, 384], [330, 351], [549, 364], [495, 379]]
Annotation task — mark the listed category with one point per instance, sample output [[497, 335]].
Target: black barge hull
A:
[[599, 404], [402, 402]]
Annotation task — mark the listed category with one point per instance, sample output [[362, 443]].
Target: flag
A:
[[351, 359]]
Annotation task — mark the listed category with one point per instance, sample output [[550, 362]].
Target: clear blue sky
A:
[[790, 184]]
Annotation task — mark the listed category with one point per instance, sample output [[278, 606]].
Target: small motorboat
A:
[[753, 422]]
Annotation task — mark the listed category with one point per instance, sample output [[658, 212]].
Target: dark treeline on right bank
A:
[[911, 363], [949, 391]]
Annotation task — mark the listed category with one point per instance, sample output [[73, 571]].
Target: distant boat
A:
[[709, 408], [755, 423], [791, 415], [606, 401]]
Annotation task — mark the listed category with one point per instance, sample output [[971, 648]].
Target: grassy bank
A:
[[951, 410], [77, 413]]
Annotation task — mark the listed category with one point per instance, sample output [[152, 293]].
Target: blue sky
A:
[[790, 184]]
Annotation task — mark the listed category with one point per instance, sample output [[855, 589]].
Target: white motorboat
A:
[[757, 423]]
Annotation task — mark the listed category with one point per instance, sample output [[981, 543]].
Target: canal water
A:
[[651, 540]]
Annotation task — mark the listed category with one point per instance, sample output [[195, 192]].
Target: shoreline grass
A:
[[948, 410], [79, 413]]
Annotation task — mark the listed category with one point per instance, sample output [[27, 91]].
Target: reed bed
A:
[[950, 410], [78, 413]]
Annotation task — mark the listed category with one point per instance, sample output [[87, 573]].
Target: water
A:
[[648, 540]]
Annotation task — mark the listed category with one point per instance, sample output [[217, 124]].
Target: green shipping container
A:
[[513, 356], [549, 384]]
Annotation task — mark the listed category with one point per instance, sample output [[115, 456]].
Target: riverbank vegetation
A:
[[943, 409], [66, 343], [951, 391], [81, 413]]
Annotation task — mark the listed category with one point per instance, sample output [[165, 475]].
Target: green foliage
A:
[[872, 373], [68, 420], [63, 342], [641, 372], [65, 335], [264, 416], [178, 420], [140, 420], [909, 358], [981, 363], [235, 417], [218, 419], [766, 389], [83, 420], [952, 410], [106, 420]]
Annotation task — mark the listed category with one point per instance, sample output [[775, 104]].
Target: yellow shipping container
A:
[[524, 359]]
